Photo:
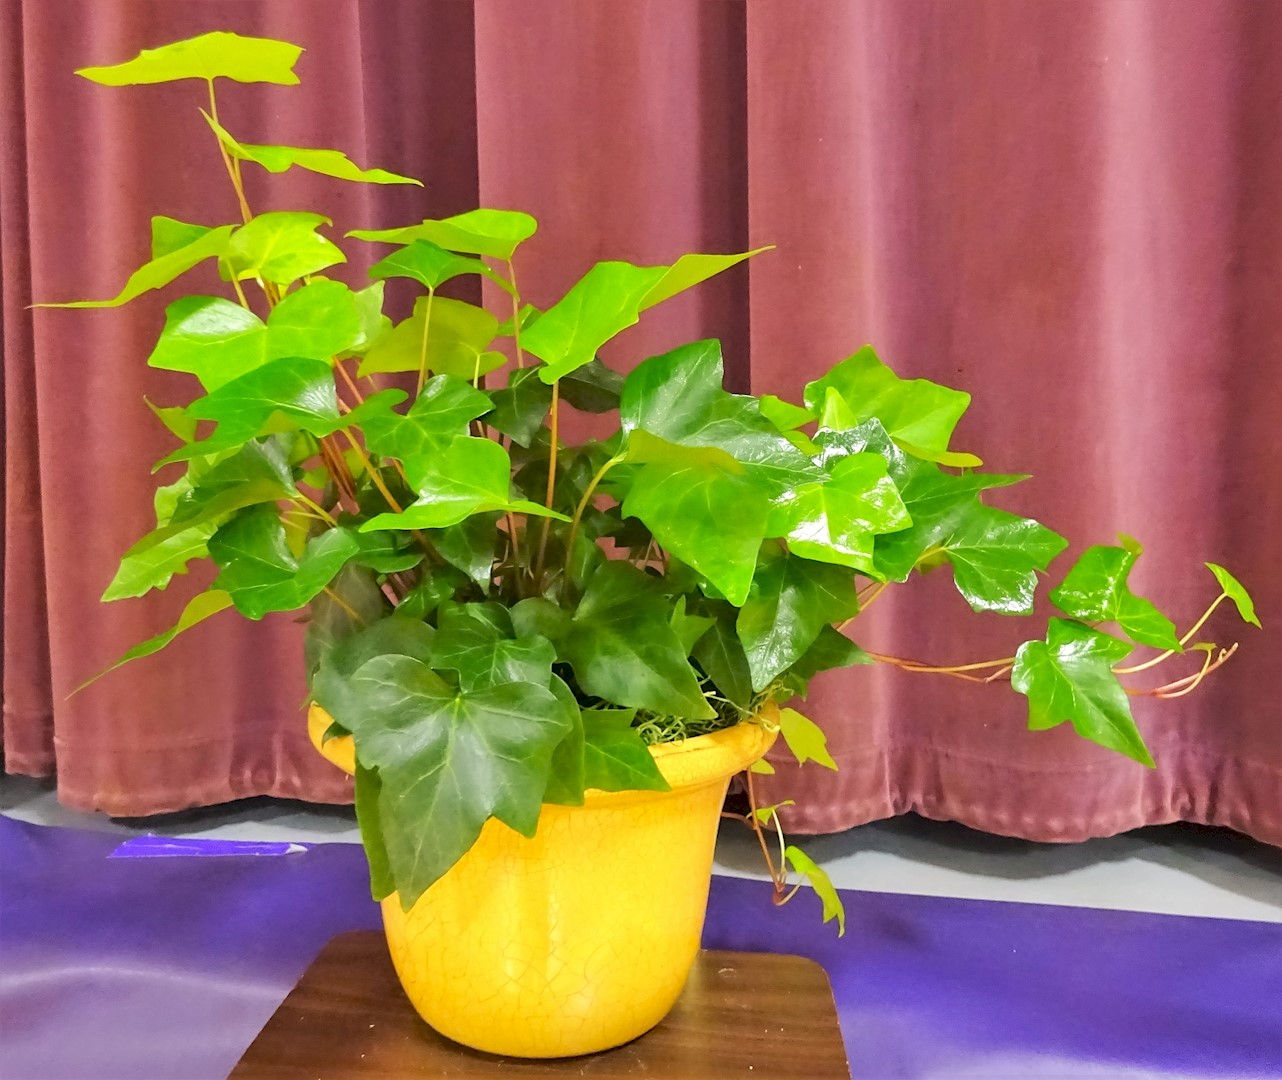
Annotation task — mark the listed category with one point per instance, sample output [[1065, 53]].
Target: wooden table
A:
[[741, 1015]]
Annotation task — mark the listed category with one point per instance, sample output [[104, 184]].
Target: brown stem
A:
[[344, 605], [351, 383], [755, 822], [957, 671], [372, 472], [233, 169]]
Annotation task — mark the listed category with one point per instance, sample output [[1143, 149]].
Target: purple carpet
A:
[[166, 968]]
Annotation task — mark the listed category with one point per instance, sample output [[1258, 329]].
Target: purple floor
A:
[[166, 968]]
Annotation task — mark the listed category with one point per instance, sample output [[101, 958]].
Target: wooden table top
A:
[[741, 1015]]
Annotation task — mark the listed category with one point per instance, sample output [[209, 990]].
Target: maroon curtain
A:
[[1067, 208]]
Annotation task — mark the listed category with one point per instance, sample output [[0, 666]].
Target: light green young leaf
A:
[[278, 159], [161, 271], [1069, 676], [174, 418], [153, 567], [208, 56], [197, 610], [762, 768], [496, 233], [805, 739], [1236, 592], [918, 411], [821, 883], [432, 266], [169, 235], [784, 414], [765, 813], [691, 270], [282, 246], [1096, 590], [606, 300], [456, 341]]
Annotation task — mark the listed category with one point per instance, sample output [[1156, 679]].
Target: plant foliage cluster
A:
[[502, 619]]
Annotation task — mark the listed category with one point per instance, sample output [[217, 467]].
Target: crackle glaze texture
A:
[[582, 937]]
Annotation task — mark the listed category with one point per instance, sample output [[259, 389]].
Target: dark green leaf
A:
[[436, 586], [593, 387], [369, 791], [520, 407], [790, 602], [383, 552], [332, 622], [565, 775], [832, 649], [1069, 676], [720, 654], [1095, 590], [208, 56], [623, 649], [614, 756], [689, 628], [469, 546], [450, 760]]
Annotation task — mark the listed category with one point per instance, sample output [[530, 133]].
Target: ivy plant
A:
[[503, 618]]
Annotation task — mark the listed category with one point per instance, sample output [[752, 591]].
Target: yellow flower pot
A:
[[581, 938]]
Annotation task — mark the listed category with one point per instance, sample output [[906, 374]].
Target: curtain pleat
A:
[[1067, 208]]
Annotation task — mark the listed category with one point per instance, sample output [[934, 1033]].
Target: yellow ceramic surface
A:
[[582, 937]]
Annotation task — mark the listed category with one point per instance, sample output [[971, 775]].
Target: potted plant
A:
[[543, 661]]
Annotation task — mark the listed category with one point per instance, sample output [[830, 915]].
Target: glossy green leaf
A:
[[432, 266], [918, 411], [806, 739], [432, 745], [483, 658], [278, 159], [456, 341], [463, 476], [197, 610], [161, 271], [952, 458], [1236, 592], [624, 650], [1096, 590], [835, 520], [496, 233], [383, 552], [691, 270], [679, 397], [614, 756], [821, 883], [169, 235], [605, 301], [219, 341], [208, 56], [996, 555], [1069, 676], [790, 601], [175, 419], [259, 571], [333, 687], [440, 413], [520, 407], [372, 324], [282, 246]]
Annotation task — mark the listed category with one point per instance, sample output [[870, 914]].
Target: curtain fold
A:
[[1067, 208]]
